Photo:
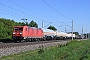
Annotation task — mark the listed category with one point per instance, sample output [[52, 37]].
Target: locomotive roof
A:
[[28, 27], [21, 26], [33, 27]]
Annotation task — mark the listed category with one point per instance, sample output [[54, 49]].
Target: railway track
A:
[[12, 44], [13, 48], [5, 45]]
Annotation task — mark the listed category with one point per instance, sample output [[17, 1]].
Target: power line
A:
[[9, 14], [17, 10], [60, 14], [12, 8], [29, 10], [25, 8], [55, 9]]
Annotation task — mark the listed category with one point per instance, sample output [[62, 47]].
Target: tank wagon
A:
[[69, 36], [49, 34], [26, 33], [60, 35]]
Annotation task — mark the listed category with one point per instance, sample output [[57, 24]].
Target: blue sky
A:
[[38, 10]]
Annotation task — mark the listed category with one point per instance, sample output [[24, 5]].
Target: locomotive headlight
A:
[[20, 32], [14, 33]]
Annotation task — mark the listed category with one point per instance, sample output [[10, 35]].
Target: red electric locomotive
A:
[[26, 33]]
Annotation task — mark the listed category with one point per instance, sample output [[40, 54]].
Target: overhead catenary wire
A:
[[56, 10], [10, 12], [14, 9], [32, 11], [60, 14], [19, 11], [26, 9], [29, 10]]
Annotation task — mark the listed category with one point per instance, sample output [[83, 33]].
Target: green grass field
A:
[[74, 50]]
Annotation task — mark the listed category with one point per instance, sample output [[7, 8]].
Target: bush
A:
[[41, 49]]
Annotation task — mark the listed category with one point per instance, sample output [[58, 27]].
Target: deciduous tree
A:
[[52, 28], [33, 24]]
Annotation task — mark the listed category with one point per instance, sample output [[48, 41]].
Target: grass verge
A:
[[74, 50]]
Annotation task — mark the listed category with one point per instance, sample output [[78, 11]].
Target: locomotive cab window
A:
[[18, 28]]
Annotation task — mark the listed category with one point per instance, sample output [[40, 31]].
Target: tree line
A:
[[7, 25]]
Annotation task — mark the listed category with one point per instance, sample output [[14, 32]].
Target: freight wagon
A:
[[26, 33]]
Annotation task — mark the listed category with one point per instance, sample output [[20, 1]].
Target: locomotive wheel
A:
[[22, 41], [44, 39], [15, 41], [54, 38], [38, 39]]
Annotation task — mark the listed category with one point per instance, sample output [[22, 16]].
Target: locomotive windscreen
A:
[[20, 28]]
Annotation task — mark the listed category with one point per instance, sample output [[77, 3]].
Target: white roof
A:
[[47, 30]]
